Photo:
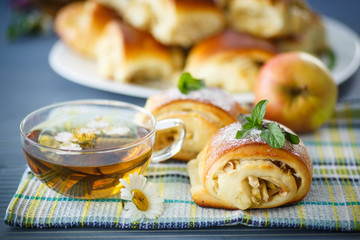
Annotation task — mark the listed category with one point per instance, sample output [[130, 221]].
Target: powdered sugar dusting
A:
[[214, 96], [225, 140]]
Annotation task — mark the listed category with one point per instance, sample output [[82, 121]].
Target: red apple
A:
[[300, 89]]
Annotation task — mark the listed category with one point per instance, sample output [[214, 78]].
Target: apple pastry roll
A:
[[203, 111], [312, 40], [268, 18], [80, 25], [247, 173], [122, 53], [172, 22], [237, 56], [129, 55]]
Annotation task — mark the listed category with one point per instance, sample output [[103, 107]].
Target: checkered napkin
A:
[[333, 202]]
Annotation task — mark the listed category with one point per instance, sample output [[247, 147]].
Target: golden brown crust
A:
[[190, 5], [80, 25], [252, 147], [268, 18], [200, 196], [312, 40], [136, 43], [122, 52], [226, 159], [211, 99], [230, 41], [126, 54], [203, 112], [229, 60], [174, 22], [296, 159]]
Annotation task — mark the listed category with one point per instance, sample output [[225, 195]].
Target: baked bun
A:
[[172, 22], [247, 173], [203, 111], [312, 40], [230, 60], [126, 55], [80, 24], [122, 53], [268, 18]]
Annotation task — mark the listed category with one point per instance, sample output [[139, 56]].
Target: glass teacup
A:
[[82, 148]]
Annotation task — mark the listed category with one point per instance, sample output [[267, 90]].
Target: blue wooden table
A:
[[28, 82]]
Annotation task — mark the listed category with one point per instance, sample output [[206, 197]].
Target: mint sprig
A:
[[271, 133], [187, 83]]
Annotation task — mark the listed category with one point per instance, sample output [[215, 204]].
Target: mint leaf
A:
[[242, 133], [271, 133], [243, 118], [294, 139], [273, 136], [248, 125], [250, 119], [246, 121], [187, 83], [259, 111], [329, 58]]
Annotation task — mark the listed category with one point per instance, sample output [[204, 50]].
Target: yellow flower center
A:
[[140, 200], [82, 136]]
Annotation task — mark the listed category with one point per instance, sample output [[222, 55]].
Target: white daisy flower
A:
[[144, 200], [64, 137], [98, 122], [116, 131], [69, 146]]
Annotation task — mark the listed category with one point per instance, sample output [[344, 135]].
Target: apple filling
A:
[[257, 185]]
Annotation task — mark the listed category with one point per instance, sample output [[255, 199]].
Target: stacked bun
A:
[[230, 60], [223, 41], [122, 52], [173, 22], [289, 23], [268, 18], [80, 25]]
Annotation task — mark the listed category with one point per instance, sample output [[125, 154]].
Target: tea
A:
[[99, 155]]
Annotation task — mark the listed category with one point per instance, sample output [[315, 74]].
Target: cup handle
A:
[[174, 147]]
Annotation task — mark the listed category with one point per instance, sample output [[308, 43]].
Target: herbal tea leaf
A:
[[187, 83], [294, 139], [273, 136], [259, 111]]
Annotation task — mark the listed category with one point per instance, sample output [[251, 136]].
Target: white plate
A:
[[344, 42]]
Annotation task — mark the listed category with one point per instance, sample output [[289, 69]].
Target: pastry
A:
[[203, 111], [80, 25], [229, 60], [172, 22], [247, 173], [122, 53], [312, 40], [129, 55], [268, 18]]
